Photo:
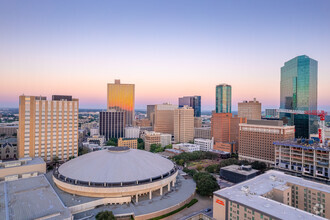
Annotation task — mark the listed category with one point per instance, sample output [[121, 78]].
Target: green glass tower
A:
[[223, 98], [299, 92]]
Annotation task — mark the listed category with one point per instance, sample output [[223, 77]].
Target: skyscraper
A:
[[164, 118], [121, 97], [184, 124], [48, 128], [251, 110], [112, 124], [223, 98], [299, 92], [192, 101]]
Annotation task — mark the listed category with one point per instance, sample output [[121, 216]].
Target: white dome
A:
[[116, 166]]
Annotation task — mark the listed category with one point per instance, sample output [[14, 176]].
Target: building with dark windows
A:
[[223, 98], [299, 92], [237, 174], [112, 124], [192, 101]]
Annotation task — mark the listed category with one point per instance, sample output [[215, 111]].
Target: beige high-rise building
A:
[[48, 128], [184, 124], [121, 97], [257, 137], [164, 118], [251, 110]]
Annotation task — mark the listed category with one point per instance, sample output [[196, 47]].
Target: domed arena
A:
[[119, 173]]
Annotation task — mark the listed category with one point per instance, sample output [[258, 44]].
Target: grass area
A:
[[192, 202]]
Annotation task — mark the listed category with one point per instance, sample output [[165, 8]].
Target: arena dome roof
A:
[[116, 165]]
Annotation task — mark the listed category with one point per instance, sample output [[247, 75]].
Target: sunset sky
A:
[[166, 48]]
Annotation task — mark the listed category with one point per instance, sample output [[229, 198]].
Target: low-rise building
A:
[[94, 131], [96, 139], [186, 147], [150, 138], [237, 174], [165, 139], [128, 142], [205, 144], [132, 132], [204, 132], [6, 130], [22, 168], [8, 148], [303, 157], [273, 195]]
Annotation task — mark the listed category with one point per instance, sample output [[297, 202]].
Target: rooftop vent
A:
[[245, 189], [272, 177]]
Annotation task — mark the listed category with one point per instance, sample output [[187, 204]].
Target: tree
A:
[[112, 142], [105, 215], [140, 144], [156, 148], [199, 167], [168, 146], [206, 184], [15, 135], [259, 165], [2, 135]]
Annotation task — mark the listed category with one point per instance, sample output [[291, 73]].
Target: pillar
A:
[[173, 183], [161, 191], [150, 195], [137, 198], [169, 187]]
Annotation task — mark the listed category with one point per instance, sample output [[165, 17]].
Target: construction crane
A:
[[319, 113]]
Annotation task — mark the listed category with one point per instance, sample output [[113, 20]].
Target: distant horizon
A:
[[168, 49]]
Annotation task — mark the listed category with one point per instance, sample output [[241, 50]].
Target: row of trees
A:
[[206, 184], [156, 148], [181, 159]]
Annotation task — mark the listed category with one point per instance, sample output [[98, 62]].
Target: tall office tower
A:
[[299, 92], [150, 110], [112, 124], [225, 130], [184, 124], [256, 139], [223, 98], [121, 97], [48, 128], [164, 118], [250, 110], [191, 101]]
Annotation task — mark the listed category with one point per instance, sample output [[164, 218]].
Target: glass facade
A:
[[192, 101], [121, 98], [223, 98], [299, 92]]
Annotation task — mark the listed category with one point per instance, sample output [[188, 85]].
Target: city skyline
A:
[[46, 51]]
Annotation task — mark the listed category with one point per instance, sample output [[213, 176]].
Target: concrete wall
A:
[[40, 168]]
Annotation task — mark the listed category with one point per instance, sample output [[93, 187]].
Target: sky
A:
[[168, 49]]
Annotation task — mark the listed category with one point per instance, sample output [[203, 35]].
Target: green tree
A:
[[112, 142], [199, 167], [140, 144], [105, 215], [156, 148], [206, 184], [168, 146]]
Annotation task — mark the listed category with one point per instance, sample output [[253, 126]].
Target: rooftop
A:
[[31, 198], [238, 169], [8, 140], [116, 166], [304, 144], [21, 162], [263, 184]]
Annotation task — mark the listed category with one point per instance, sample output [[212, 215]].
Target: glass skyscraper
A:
[[223, 98], [192, 101], [299, 92], [121, 97]]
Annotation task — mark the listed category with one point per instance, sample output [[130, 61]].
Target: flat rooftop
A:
[[304, 145], [23, 162], [238, 169], [31, 198], [264, 183]]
